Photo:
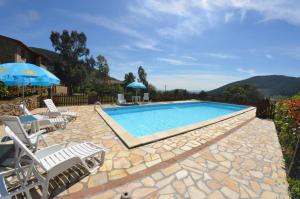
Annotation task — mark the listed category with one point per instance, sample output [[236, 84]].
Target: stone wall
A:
[[11, 107]]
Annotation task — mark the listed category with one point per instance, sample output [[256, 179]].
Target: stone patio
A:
[[239, 157], [246, 164]]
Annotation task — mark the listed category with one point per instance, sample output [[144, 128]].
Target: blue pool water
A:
[[149, 119]]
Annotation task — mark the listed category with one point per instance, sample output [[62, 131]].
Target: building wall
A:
[[8, 50], [12, 51]]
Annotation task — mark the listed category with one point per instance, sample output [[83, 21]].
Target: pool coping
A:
[[132, 142]]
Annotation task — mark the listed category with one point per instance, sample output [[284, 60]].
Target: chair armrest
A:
[[48, 150], [37, 134], [52, 114], [63, 109]]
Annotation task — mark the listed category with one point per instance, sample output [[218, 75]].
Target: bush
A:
[[294, 188], [286, 126], [3, 90]]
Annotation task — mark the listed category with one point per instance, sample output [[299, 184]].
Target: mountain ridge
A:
[[268, 85]]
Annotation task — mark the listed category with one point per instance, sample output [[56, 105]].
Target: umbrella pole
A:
[[23, 95], [136, 98], [51, 91]]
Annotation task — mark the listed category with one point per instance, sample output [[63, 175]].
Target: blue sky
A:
[[191, 44]]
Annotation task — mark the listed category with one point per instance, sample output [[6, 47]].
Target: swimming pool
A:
[[147, 120]]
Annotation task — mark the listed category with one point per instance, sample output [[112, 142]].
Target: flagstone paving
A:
[[121, 161], [246, 164], [251, 157]]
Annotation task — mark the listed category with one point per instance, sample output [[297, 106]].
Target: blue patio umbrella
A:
[[24, 74], [136, 85]]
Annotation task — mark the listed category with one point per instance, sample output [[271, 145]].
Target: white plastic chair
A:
[[54, 112], [146, 97], [54, 160], [56, 122], [121, 99], [16, 126]]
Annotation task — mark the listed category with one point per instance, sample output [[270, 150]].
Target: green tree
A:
[[103, 67], [242, 94], [70, 45], [142, 76], [71, 68], [129, 78], [202, 95]]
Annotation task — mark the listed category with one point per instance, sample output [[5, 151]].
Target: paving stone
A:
[[142, 192], [257, 174], [167, 190], [167, 155], [231, 184], [195, 176], [179, 186], [106, 195], [201, 185], [188, 181], [148, 181], [136, 168], [153, 162], [75, 188], [165, 181], [213, 184], [181, 174], [121, 163], [229, 193], [171, 169], [97, 179], [196, 193], [268, 195], [157, 176], [117, 174], [215, 195]]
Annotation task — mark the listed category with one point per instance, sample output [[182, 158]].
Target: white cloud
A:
[[184, 29], [196, 16], [222, 56], [171, 61], [108, 24], [247, 71], [228, 17], [128, 47], [189, 57], [183, 62], [269, 56], [147, 44], [171, 7]]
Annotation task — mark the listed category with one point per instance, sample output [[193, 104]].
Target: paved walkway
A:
[[246, 164]]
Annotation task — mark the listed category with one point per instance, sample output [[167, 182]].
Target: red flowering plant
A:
[[294, 110]]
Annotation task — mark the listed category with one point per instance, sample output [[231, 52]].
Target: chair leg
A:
[[45, 190]]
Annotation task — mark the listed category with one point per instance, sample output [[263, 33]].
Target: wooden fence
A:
[[75, 100]]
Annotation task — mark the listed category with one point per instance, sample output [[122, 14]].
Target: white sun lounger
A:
[[16, 126], [56, 122], [54, 112], [121, 100], [54, 160], [146, 97]]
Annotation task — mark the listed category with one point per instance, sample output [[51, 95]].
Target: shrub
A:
[[294, 188]]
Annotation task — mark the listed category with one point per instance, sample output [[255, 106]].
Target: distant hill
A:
[[54, 57], [269, 86]]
